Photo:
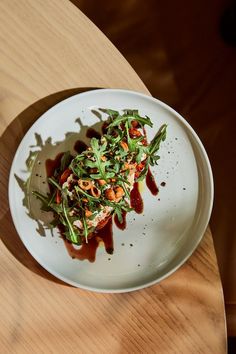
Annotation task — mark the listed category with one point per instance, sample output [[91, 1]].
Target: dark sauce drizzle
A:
[[88, 250], [92, 133], [151, 184], [121, 225], [136, 200], [80, 146], [105, 234]]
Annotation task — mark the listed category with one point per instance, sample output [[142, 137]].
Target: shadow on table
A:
[[9, 142]]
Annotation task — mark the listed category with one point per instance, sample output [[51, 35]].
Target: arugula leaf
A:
[[65, 160], [89, 163], [129, 118], [155, 143], [73, 236], [98, 152], [54, 183], [127, 194], [141, 150], [76, 168]]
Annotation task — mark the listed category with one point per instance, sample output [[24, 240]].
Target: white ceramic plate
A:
[[167, 232]]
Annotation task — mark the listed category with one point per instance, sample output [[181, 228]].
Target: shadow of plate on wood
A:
[[9, 141]]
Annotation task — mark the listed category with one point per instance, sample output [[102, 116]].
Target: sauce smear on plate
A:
[[136, 200], [92, 133], [88, 250], [151, 184], [80, 146]]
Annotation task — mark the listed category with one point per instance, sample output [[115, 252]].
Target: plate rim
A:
[[209, 175]]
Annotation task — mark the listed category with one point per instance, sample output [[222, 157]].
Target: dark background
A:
[[184, 52]]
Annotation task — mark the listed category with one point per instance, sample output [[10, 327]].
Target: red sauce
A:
[[80, 146], [121, 225], [104, 127], [88, 250], [106, 234], [144, 141], [151, 184], [91, 133], [136, 201], [52, 165]]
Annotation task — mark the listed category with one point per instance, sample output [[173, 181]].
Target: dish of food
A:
[[129, 217], [101, 181]]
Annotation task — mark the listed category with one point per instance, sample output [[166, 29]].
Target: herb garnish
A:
[[98, 181]]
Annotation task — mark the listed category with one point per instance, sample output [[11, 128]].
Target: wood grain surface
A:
[[49, 51]]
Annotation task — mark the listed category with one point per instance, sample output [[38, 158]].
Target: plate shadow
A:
[[9, 141]]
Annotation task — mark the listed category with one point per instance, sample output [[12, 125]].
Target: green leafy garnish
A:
[[128, 119], [86, 192], [73, 236], [155, 144]]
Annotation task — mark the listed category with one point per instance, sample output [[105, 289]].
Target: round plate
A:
[[155, 243]]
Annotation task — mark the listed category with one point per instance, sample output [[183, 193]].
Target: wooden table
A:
[[49, 51]]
